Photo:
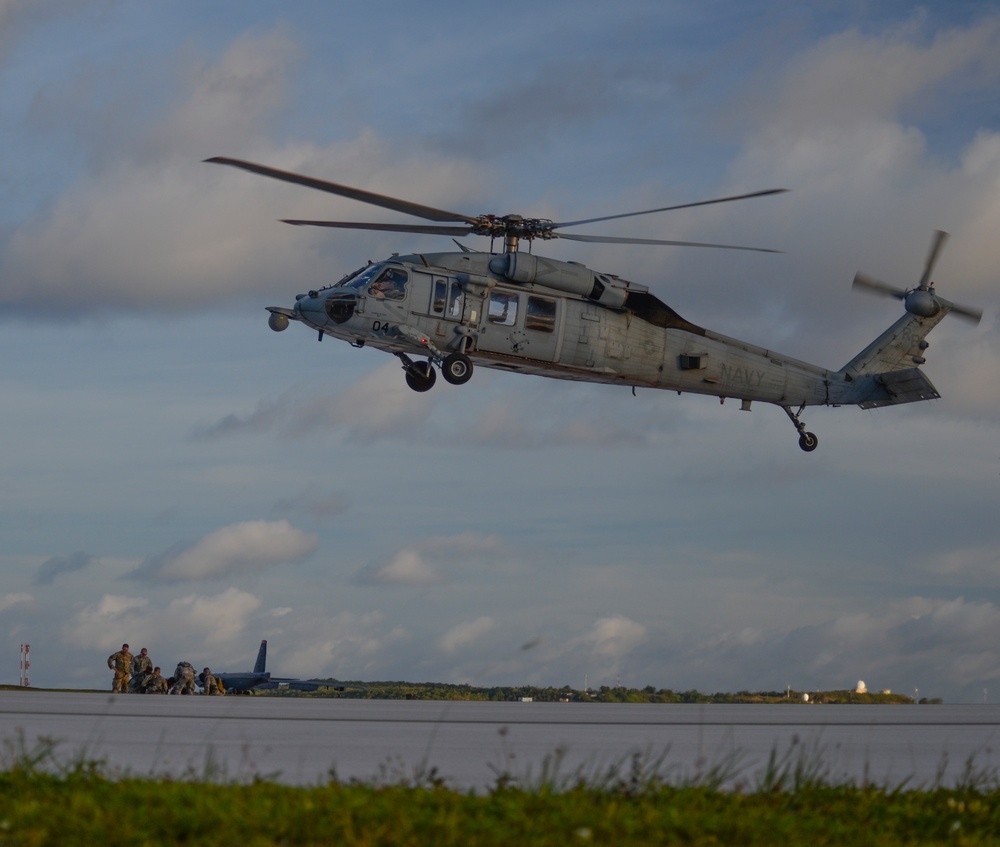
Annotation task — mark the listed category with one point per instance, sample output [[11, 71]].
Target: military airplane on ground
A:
[[524, 313], [260, 679]]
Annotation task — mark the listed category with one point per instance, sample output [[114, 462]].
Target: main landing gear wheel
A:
[[807, 440], [456, 369], [422, 377]]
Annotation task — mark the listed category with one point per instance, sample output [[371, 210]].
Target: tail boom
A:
[[887, 372]]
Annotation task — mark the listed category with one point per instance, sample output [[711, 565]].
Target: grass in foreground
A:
[[42, 802]]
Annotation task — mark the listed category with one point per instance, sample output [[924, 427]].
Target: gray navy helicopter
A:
[[520, 312]]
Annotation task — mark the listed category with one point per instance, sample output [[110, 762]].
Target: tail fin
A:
[[261, 658], [887, 371]]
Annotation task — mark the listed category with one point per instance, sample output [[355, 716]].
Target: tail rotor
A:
[[923, 300]]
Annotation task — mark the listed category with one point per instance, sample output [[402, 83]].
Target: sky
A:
[[177, 476]]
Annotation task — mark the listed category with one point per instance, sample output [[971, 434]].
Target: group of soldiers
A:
[[137, 675]]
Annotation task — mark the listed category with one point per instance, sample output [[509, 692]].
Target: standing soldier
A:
[[142, 667], [121, 664]]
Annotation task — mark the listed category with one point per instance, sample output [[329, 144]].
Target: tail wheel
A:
[[808, 442], [422, 377], [457, 369]]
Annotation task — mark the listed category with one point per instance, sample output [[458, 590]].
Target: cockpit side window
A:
[[391, 285]]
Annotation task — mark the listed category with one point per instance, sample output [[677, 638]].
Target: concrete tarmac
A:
[[306, 741]]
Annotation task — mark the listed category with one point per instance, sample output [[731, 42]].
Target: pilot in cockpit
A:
[[390, 286]]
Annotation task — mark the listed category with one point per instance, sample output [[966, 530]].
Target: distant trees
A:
[[604, 694]]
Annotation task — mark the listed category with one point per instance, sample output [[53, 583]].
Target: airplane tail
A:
[[261, 658], [887, 372]]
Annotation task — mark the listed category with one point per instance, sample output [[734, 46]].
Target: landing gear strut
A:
[[807, 441], [420, 376], [456, 368]]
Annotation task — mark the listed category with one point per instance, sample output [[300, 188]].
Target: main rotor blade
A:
[[876, 286], [386, 202], [671, 208], [612, 239], [417, 228], [936, 245]]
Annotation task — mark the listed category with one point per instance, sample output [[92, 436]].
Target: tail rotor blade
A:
[[876, 286], [969, 313], [939, 239]]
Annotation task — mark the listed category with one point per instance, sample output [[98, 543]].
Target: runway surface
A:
[[469, 744]]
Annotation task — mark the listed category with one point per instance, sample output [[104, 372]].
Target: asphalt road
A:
[[303, 741]]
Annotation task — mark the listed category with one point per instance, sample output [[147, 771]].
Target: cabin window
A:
[[447, 299], [438, 297], [503, 308], [541, 314], [391, 285], [456, 299]]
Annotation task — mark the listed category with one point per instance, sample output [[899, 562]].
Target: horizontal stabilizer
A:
[[895, 387]]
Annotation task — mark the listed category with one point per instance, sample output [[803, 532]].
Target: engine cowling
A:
[[569, 277]]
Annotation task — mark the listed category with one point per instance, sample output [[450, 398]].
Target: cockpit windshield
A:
[[360, 279]]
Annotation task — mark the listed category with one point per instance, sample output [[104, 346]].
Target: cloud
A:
[[191, 624], [425, 562], [314, 503], [615, 636], [464, 634], [8, 601], [222, 617], [240, 549], [54, 567], [107, 623], [406, 567], [376, 407], [940, 646]]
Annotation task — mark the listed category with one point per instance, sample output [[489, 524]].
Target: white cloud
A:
[[939, 646], [222, 617], [427, 561], [407, 567], [377, 406], [193, 624], [465, 634], [244, 548], [8, 601], [107, 623], [615, 636]]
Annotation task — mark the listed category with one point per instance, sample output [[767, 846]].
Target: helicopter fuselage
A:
[[467, 303]]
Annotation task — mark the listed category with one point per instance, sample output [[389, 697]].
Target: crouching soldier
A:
[[183, 679], [121, 664], [209, 684], [155, 683]]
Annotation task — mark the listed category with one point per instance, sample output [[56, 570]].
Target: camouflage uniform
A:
[[142, 667], [121, 664], [183, 679], [208, 682], [155, 683]]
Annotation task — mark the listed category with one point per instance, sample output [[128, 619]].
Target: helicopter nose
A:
[[308, 306]]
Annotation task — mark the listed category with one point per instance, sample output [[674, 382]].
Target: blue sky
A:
[[177, 476]]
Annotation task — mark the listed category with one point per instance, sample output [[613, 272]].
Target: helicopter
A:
[[521, 312]]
